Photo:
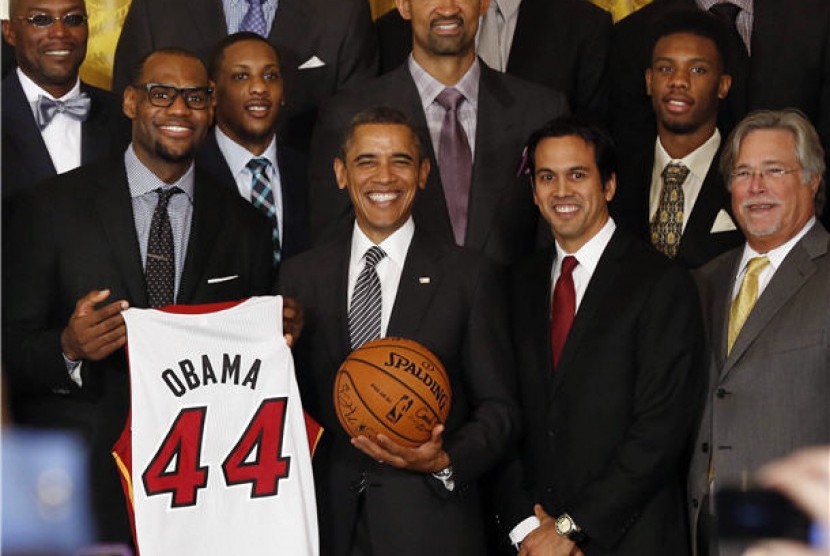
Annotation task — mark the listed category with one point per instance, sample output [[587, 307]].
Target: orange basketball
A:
[[393, 386]]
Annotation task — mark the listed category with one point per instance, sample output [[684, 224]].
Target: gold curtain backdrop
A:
[[107, 16]]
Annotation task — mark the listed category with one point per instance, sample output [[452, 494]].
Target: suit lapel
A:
[[20, 128], [208, 16], [601, 283], [414, 290], [114, 208], [207, 212], [96, 138], [710, 200], [796, 269], [338, 296], [291, 24], [538, 317], [211, 159], [487, 191]]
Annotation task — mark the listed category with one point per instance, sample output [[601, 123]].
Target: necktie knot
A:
[[568, 265], [165, 195], [756, 265], [258, 166], [373, 256], [675, 174], [726, 11], [449, 99], [47, 108]]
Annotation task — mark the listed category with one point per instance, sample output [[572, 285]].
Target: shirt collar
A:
[[589, 254], [698, 161], [238, 156], [429, 87], [32, 90], [776, 256], [395, 246], [142, 181], [746, 5], [507, 7]]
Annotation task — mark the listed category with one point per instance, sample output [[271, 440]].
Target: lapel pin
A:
[[423, 280]]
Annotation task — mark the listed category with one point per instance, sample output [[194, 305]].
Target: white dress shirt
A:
[[698, 163], [238, 157], [776, 258], [389, 268], [63, 134]]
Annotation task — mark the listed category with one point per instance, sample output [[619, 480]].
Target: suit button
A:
[[704, 447], [695, 503], [722, 393]]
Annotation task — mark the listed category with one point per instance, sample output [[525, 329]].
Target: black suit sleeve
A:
[[477, 445], [670, 379]]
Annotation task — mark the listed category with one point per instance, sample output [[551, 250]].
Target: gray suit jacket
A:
[[769, 396]]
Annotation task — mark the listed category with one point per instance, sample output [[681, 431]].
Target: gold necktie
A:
[[667, 226], [745, 300]]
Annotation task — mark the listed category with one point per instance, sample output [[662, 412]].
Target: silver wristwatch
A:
[[446, 477], [567, 527]]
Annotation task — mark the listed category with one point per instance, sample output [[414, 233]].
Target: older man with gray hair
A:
[[767, 305]]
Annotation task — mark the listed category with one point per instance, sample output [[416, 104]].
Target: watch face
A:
[[564, 525]]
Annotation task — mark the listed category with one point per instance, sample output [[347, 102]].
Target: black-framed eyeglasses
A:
[[163, 96], [46, 20]]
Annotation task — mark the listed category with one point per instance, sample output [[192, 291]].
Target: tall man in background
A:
[[473, 121]]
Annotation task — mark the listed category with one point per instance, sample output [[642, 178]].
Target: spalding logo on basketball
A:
[[393, 386]]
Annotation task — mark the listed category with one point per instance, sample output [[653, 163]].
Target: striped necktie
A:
[[262, 197], [364, 313]]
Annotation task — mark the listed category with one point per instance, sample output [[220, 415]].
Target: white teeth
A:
[[678, 103], [382, 197], [174, 128], [57, 52], [447, 26], [565, 208], [257, 108]]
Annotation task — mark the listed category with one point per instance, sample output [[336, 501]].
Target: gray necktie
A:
[[47, 108], [489, 37], [455, 163], [364, 313]]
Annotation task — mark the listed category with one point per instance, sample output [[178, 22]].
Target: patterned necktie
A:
[[47, 108], [364, 313], [563, 308], [455, 162], [262, 197], [667, 226], [254, 20], [160, 268], [745, 300]]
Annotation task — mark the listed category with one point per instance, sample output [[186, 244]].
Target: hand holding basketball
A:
[[429, 457]]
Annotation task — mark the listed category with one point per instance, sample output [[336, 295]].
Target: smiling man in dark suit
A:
[[49, 39], [609, 339], [242, 149], [378, 497], [472, 121], [100, 240], [670, 193]]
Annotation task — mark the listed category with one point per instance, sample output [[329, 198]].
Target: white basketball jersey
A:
[[215, 457]]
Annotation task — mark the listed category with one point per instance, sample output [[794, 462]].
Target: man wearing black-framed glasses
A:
[[52, 122], [143, 229]]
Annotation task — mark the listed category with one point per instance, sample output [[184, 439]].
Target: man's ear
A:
[[129, 102], [423, 173], [8, 32], [340, 173], [404, 8]]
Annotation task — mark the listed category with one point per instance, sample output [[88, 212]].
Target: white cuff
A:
[[74, 370], [523, 529]]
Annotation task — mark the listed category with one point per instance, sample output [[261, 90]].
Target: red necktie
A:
[[563, 307]]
